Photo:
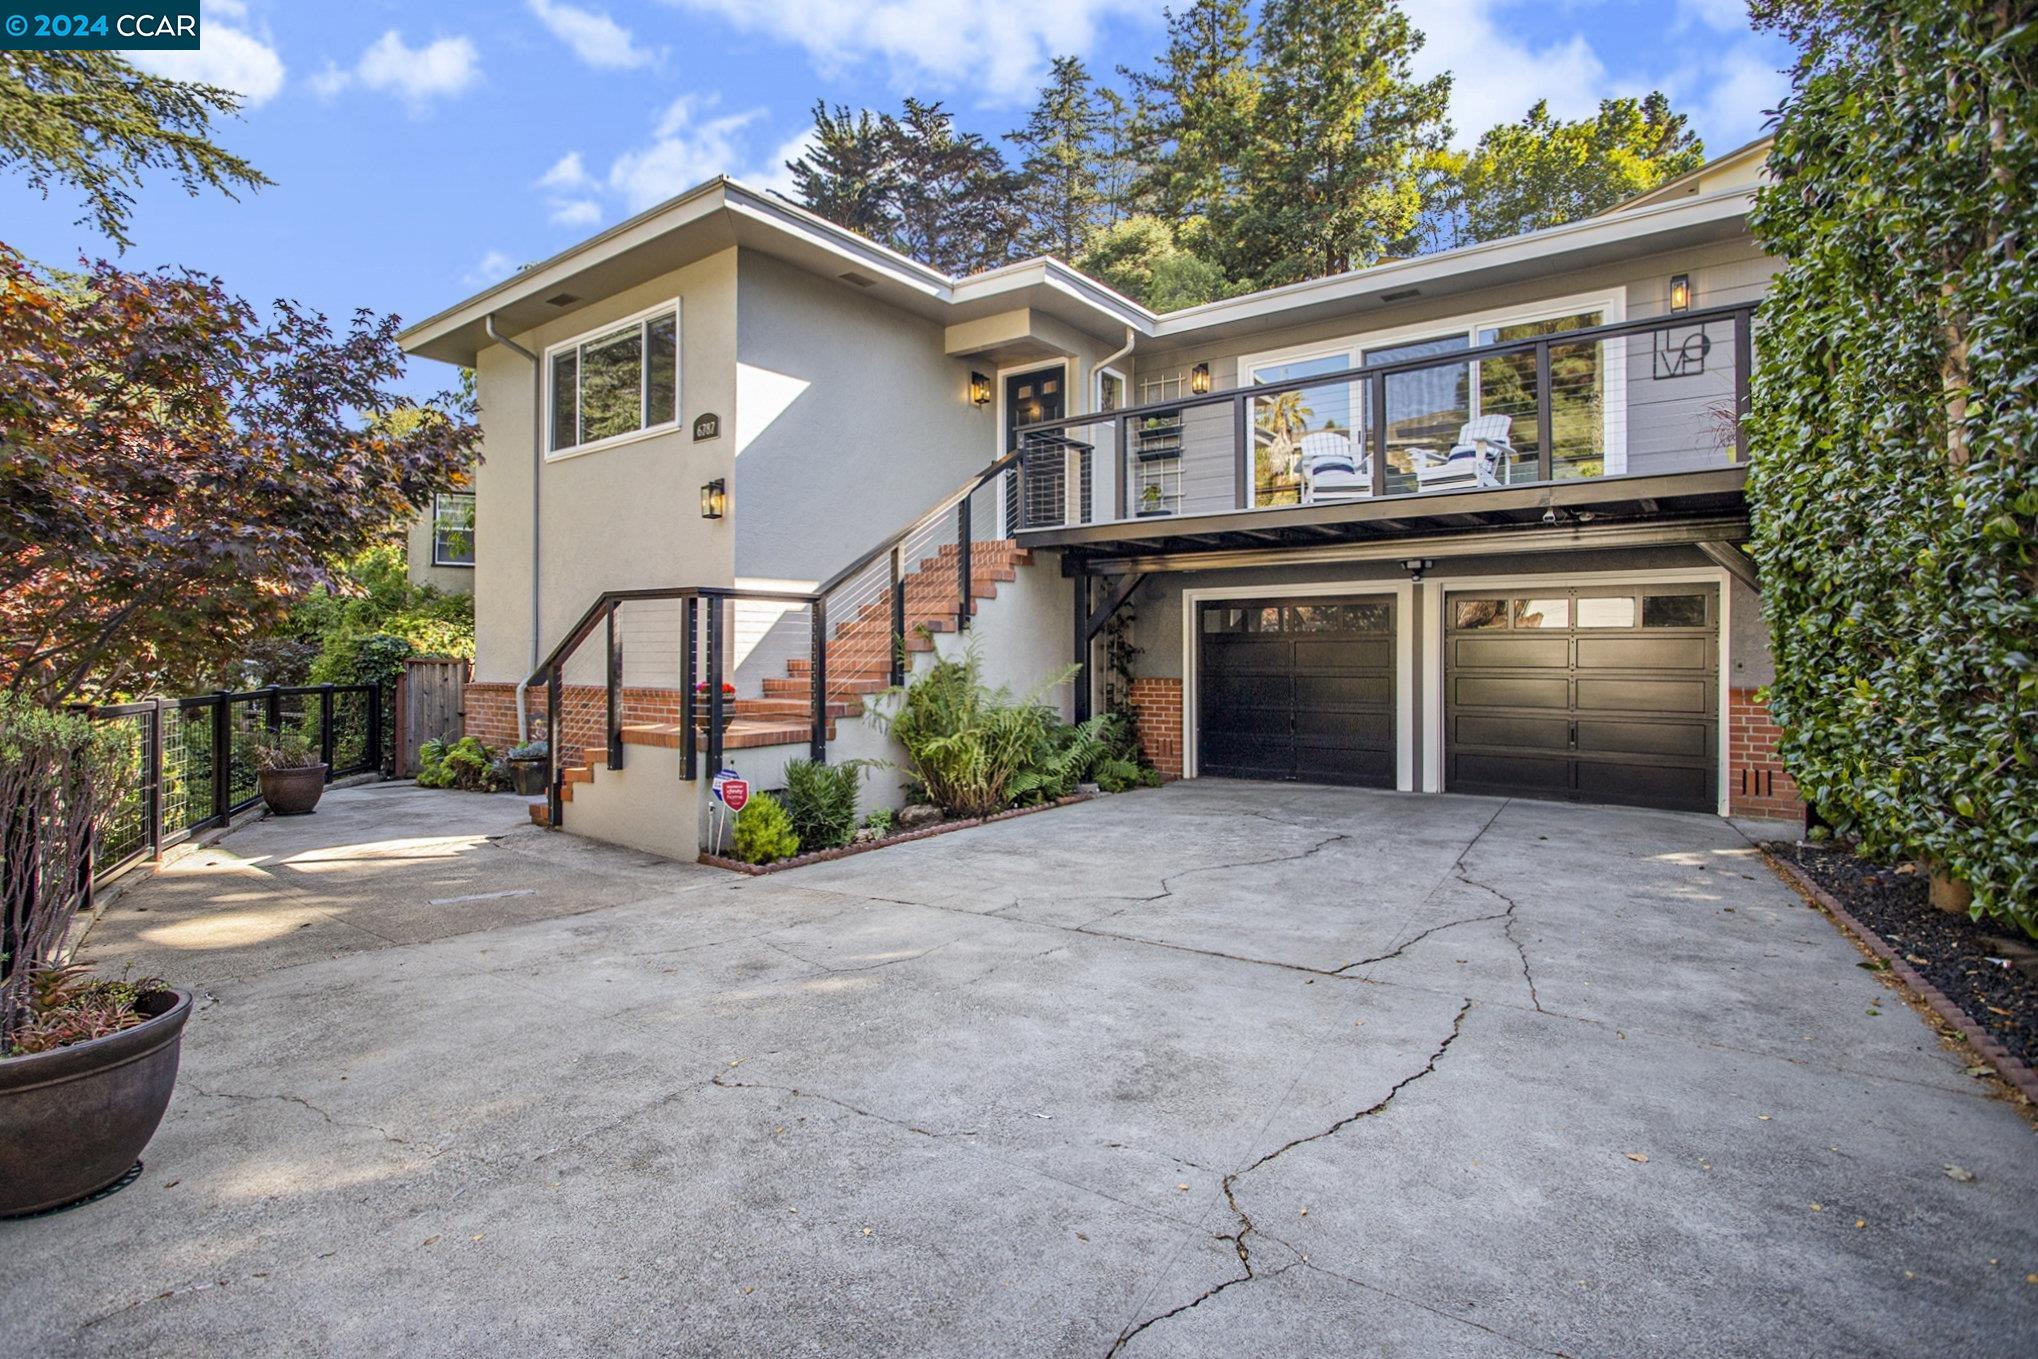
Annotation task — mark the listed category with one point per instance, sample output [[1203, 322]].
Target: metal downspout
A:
[[537, 468]]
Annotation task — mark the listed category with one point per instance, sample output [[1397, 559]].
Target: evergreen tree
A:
[[1197, 111], [1118, 165], [957, 200], [1142, 258], [1333, 175], [1543, 171], [850, 175], [1061, 191]]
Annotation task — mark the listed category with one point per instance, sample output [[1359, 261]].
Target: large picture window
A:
[[615, 383], [453, 528]]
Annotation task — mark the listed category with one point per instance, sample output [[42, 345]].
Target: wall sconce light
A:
[[1680, 293], [979, 390], [715, 499], [1199, 379]]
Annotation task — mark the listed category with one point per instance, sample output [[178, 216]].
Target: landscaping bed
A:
[[1984, 969], [821, 856]]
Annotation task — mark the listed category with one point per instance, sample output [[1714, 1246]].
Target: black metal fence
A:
[[188, 764]]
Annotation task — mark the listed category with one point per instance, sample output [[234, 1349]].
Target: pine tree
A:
[[1060, 175], [1543, 172], [1197, 108], [1118, 166], [956, 198], [1342, 132], [850, 175]]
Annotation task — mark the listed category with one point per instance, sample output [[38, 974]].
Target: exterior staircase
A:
[[859, 662]]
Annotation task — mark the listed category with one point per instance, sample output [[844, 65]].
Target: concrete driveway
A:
[[1269, 1070]]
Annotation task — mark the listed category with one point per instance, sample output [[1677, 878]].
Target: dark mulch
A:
[[1965, 960]]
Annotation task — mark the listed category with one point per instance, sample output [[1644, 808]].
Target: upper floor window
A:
[[453, 528], [614, 383]]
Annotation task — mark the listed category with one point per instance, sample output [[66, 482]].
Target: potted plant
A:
[[86, 1064], [529, 766], [701, 709], [291, 775], [1150, 499]]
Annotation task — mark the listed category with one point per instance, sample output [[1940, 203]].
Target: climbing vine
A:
[[1894, 429]]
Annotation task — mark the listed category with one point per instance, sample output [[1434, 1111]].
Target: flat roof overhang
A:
[[1673, 507]]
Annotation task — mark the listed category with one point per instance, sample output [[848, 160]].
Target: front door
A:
[[1029, 399]]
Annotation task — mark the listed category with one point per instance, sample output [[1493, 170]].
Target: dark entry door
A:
[[1029, 399], [1600, 695], [1297, 689]]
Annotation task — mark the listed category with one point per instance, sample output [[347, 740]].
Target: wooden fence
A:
[[429, 704]]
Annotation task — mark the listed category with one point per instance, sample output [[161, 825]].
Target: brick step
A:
[[793, 707]]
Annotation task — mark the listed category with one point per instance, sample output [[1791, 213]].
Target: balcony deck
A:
[[1626, 432]]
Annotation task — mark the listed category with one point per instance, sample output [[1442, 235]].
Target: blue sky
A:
[[421, 150]]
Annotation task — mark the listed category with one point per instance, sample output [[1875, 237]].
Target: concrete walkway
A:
[[1269, 1070]]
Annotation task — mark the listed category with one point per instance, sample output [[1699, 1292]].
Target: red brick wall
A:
[[1757, 784], [1157, 717], [489, 711]]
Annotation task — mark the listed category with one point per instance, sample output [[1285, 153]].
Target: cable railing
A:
[[693, 661], [1533, 404]]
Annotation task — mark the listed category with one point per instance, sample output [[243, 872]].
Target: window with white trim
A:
[[614, 383], [453, 528]]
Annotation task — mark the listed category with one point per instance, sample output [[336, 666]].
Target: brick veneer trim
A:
[[489, 712], [1157, 718], [1757, 783]]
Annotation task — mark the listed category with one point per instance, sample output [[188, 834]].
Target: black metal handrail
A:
[[1741, 315]]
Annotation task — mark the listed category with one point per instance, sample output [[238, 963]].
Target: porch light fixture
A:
[[715, 499], [1680, 293], [979, 390], [1199, 379]]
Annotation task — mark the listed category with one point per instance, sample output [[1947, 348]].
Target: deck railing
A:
[[187, 764], [1662, 394]]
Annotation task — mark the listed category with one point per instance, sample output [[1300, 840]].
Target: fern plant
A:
[[966, 744], [1064, 758]]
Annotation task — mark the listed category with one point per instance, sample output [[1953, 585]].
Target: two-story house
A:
[[1467, 522]]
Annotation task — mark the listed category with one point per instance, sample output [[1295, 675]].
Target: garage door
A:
[[1297, 689], [1594, 695]]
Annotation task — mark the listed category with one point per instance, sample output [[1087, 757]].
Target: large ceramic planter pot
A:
[[72, 1120], [700, 711], [293, 792], [528, 776]]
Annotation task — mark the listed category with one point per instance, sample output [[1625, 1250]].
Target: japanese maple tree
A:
[[177, 469]]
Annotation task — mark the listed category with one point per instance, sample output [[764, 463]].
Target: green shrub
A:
[[466, 764], [764, 832], [1894, 420], [880, 820], [821, 800], [1062, 758], [1116, 776], [966, 744]]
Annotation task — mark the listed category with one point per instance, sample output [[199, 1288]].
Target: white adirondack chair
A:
[[1481, 457], [1331, 471]]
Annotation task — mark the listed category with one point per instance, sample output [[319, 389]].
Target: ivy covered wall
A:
[[1895, 432]]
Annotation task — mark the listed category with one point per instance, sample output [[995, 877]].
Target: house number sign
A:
[[708, 426]]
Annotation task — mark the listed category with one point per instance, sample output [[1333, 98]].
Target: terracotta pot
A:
[[72, 1120], [292, 792], [528, 776]]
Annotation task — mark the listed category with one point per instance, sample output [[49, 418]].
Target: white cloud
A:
[[417, 75], [594, 37], [1721, 16], [567, 174], [491, 268], [685, 151], [576, 212], [1496, 77], [1000, 51], [774, 176], [1736, 96], [229, 57]]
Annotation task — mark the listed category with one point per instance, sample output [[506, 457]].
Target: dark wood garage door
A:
[[1600, 695], [1297, 689]]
